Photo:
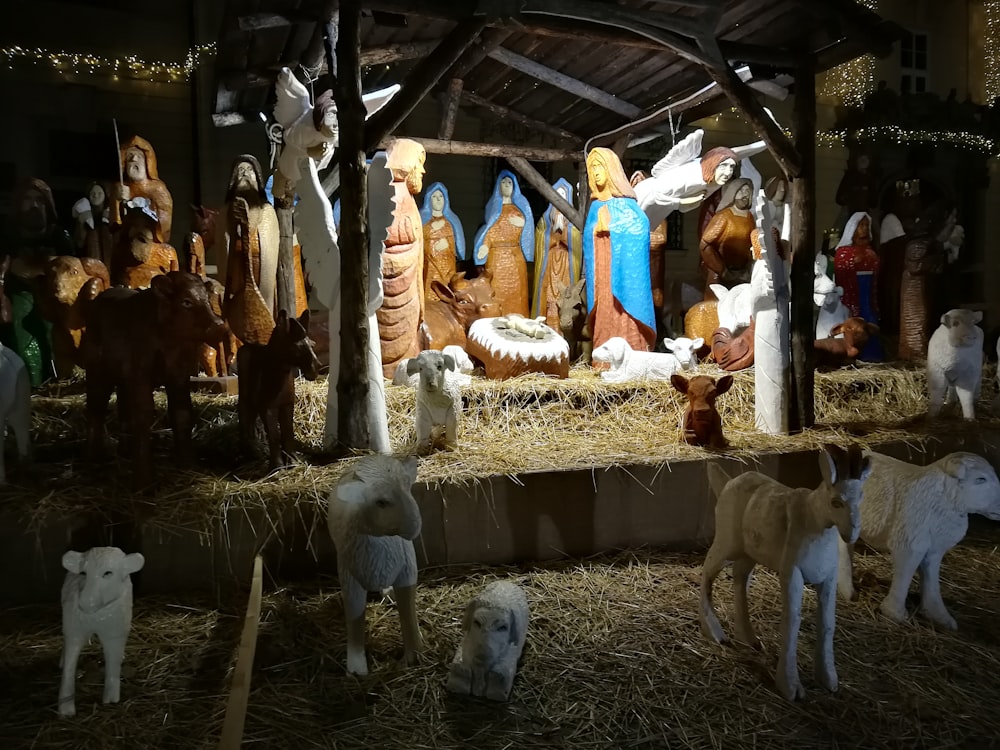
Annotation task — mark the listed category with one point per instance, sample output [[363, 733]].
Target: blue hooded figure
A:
[[505, 244], [444, 238]]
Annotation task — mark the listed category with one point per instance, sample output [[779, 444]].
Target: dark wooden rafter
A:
[[534, 178], [469, 148], [488, 41], [450, 109], [421, 80], [506, 113]]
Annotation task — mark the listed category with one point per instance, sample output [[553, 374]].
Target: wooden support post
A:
[[285, 291], [239, 689], [352, 386], [803, 243], [421, 80], [468, 148], [451, 103], [540, 184]]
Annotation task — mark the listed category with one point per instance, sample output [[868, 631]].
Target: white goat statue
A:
[[495, 625], [439, 399], [955, 362], [629, 364], [96, 600], [918, 513], [461, 375], [373, 520], [735, 306], [794, 533], [15, 404]]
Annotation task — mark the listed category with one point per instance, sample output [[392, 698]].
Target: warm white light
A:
[[96, 64], [852, 81]]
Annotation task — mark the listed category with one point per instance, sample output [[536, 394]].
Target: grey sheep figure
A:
[[496, 626]]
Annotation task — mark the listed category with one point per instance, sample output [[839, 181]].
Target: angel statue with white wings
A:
[[310, 136], [683, 178]]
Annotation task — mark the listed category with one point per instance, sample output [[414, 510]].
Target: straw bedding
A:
[[509, 427], [614, 659]]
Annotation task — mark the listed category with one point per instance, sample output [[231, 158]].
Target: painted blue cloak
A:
[[447, 213], [493, 208]]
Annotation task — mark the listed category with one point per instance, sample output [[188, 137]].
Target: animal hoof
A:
[[791, 691], [896, 615], [828, 680], [942, 620], [410, 659], [67, 708], [357, 665]]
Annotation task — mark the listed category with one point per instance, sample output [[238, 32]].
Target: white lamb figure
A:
[[373, 520], [629, 364], [462, 374], [96, 600], [794, 533], [918, 513], [955, 362], [832, 312], [495, 625], [15, 404], [735, 306], [439, 399], [684, 349]]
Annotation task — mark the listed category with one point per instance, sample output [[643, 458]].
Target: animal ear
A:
[[839, 328], [697, 343], [304, 320], [679, 382], [719, 291], [839, 291], [669, 344], [410, 465], [977, 316], [955, 466], [352, 491], [449, 362], [946, 319], [163, 285], [442, 291], [412, 366], [282, 320], [513, 631], [133, 563], [470, 611], [723, 384], [866, 468], [828, 460], [873, 330], [73, 561]]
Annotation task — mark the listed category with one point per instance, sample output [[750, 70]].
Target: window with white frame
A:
[[913, 62]]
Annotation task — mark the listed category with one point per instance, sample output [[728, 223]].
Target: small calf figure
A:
[[267, 385], [96, 600], [701, 421], [625, 363], [439, 399], [373, 520], [15, 404], [917, 514], [955, 362], [794, 533], [495, 626], [685, 350], [837, 352]]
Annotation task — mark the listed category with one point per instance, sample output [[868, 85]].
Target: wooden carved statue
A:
[[894, 233], [92, 233], [924, 257], [444, 238], [251, 242], [657, 244], [616, 257], [682, 179], [558, 255], [139, 255], [141, 181], [70, 285], [34, 237], [204, 221], [403, 260], [858, 188], [216, 359], [505, 243], [856, 266], [726, 254]]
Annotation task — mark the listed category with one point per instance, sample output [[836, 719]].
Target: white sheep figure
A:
[[495, 626], [439, 399], [15, 404], [462, 374], [96, 600], [628, 364], [832, 311], [918, 513], [373, 520], [955, 362], [794, 533], [735, 306], [685, 350]]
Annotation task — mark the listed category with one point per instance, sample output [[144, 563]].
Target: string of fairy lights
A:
[[853, 80], [125, 66], [991, 43]]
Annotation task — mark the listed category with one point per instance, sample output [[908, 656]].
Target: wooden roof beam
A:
[[450, 108], [506, 113], [534, 178], [467, 148]]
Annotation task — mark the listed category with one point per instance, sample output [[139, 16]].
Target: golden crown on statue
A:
[[908, 187]]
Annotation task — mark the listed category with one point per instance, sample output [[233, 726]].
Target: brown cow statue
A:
[[70, 285], [267, 385], [137, 340], [459, 305], [702, 423]]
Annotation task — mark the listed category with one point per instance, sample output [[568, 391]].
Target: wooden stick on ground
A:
[[239, 690]]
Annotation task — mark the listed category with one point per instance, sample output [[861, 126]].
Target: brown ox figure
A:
[[833, 352], [459, 305], [137, 340], [702, 423], [70, 285], [267, 385]]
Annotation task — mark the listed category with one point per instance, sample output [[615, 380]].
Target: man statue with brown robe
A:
[[138, 163]]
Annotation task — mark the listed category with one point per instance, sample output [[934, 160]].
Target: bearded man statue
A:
[[142, 182]]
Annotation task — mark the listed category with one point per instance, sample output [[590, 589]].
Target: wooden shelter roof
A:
[[547, 63]]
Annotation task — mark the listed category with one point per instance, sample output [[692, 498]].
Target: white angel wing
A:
[[380, 208], [685, 150], [291, 98], [375, 100], [317, 235]]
